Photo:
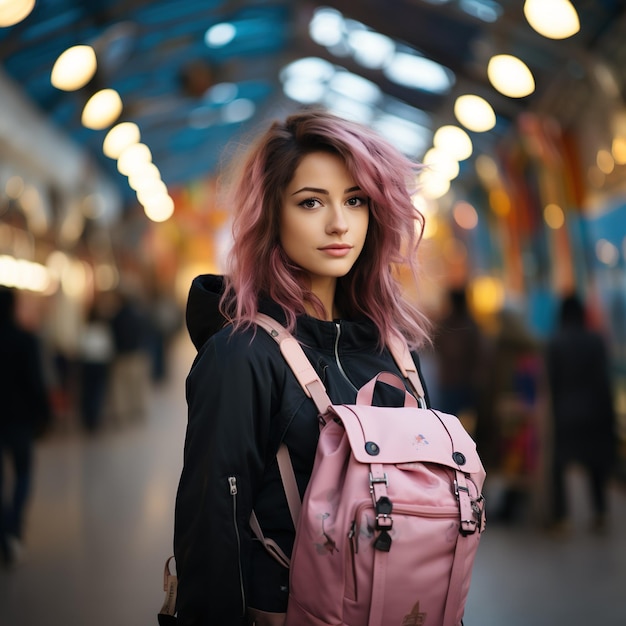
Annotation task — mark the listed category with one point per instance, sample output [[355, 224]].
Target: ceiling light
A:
[[418, 72], [158, 207], [453, 141], [308, 69], [433, 186], [555, 19], [408, 137], [305, 92], [441, 163], [14, 11], [238, 110], [142, 174], [220, 35], [149, 190], [74, 68], [102, 109], [348, 108], [222, 93], [370, 49], [305, 80], [475, 113], [326, 27], [510, 76], [355, 87], [134, 156], [119, 138]]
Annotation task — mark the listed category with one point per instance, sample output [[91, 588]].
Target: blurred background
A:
[[116, 118]]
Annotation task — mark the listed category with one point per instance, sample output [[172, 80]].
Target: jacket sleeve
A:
[[229, 397]]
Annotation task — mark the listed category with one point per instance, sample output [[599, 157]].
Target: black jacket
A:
[[582, 399], [243, 401], [25, 402]]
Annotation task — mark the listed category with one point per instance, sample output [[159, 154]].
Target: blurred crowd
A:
[[538, 407], [121, 343], [120, 351]]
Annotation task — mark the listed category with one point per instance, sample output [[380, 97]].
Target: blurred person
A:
[[511, 431], [24, 416], [583, 411], [166, 321], [460, 359], [96, 355], [130, 372]]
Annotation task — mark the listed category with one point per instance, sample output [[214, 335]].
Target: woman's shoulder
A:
[[247, 347]]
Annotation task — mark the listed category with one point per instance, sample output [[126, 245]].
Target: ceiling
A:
[[154, 54]]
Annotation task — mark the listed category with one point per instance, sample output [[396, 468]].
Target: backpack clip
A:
[[469, 518], [378, 479], [384, 523]]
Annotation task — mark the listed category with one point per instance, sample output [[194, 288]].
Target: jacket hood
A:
[[202, 315]]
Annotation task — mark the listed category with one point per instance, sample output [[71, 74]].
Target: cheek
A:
[[290, 236], [363, 226]]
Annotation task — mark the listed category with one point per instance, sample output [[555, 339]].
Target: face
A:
[[323, 219]]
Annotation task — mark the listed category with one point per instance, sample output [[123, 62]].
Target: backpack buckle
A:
[[468, 517], [458, 488], [378, 479], [384, 521]]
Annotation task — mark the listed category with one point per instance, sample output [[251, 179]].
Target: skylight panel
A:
[[417, 72]]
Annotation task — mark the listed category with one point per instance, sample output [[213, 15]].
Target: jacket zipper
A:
[[232, 482], [339, 366]]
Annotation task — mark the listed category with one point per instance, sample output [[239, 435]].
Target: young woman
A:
[[323, 219]]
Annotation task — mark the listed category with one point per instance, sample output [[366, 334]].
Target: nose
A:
[[337, 222]]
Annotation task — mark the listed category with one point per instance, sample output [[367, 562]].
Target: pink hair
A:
[[258, 265]]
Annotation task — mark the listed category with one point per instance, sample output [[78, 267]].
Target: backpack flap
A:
[[403, 435]]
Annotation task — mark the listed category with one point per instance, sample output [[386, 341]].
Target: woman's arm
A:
[[229, 401]]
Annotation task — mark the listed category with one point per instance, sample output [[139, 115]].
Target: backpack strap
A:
[[297, 361], [402, 356]]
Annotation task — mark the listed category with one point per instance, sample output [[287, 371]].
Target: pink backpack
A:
[[392, 516]]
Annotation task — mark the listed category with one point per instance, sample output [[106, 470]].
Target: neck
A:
[[325, 291]]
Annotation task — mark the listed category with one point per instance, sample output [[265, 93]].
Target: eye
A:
[[309, 203], [356, 201]]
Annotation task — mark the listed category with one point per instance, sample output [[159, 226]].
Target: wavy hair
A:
[[258, 266]]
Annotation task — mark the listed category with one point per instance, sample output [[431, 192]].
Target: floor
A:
[[101, 517]]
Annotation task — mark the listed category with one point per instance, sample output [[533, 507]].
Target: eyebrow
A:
[[324, 191]]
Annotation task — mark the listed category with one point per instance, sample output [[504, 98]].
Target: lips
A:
[[336, 249]]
